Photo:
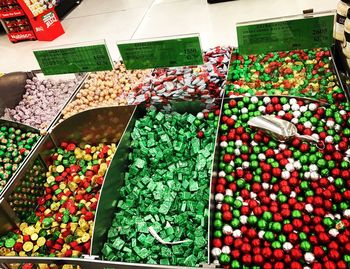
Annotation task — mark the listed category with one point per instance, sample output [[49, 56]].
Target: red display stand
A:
[[21, 24], [47, 26]]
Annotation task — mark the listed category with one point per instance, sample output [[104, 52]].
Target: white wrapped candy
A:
[[216, 252], [223, 144], [219, 197], [309, 208], [237, 233], [227, 229], [309, 257], [226, 250], [287, 246], [243, 219], [333, 232]]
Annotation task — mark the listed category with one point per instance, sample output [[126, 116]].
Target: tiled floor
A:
[[133, 19]]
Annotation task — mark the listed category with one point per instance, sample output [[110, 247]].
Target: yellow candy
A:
[[73, 227], [29, 230], [60, 169], [88, 157], [72, 186], [34, 237], [50, 179], [36, 247], [59, 158], [75, 253], [41, 241], [23, 226], [79, 232], [28, 246], [22, 254], [47, 211], [55, 206], [62, 186], [11, 253], [85, 238]]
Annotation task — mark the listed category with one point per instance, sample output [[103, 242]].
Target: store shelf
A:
[[11, 14]]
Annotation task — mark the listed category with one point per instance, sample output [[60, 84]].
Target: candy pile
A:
[[283, 205], [24, 199], [300, 73], [186, 83], [105, 89], [15, 145], [39, 6], [42, 101], [166, 191], [63, 222]]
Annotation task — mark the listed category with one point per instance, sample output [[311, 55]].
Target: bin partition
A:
[[101, 125], [114, 180]]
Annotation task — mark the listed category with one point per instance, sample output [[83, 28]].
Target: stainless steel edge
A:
[[214, 169], [9, 218], [114, 165], [84, 263], [339, 76], [56, 119]]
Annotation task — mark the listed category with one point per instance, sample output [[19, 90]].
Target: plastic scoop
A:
[[281, 130]]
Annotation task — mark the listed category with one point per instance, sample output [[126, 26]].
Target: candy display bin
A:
[[95, 126], [19, 97], [310, 73], [30, 148], [273, 188], [115, 180]]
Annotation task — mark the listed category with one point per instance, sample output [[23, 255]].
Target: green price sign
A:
[[74, 59], [312, 32], [177, 51]]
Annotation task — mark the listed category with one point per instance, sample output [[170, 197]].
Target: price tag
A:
[[168, 52], [76, 59], [306, 33]]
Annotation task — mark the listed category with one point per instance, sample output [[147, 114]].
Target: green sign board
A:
[[311, 32], [74, 59], [178, 51]]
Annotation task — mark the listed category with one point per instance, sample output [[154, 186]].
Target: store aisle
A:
[[133, 19]]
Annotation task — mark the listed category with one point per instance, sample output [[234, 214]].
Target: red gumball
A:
[[267, 265], [278, 254], [288, 228], [296, 265], [227, 158], [225, 208], [296, 253], [318, 252], [235, 254], [258, 259], [333, 245], [341, 265], [246, 248], [247, 259], [220, 188], [293, 238], [227, 216], [217, 243], [266, 252], [330, 265], [228, 240], [316, 265], [238, 243], [279, 265], [324, 238]]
